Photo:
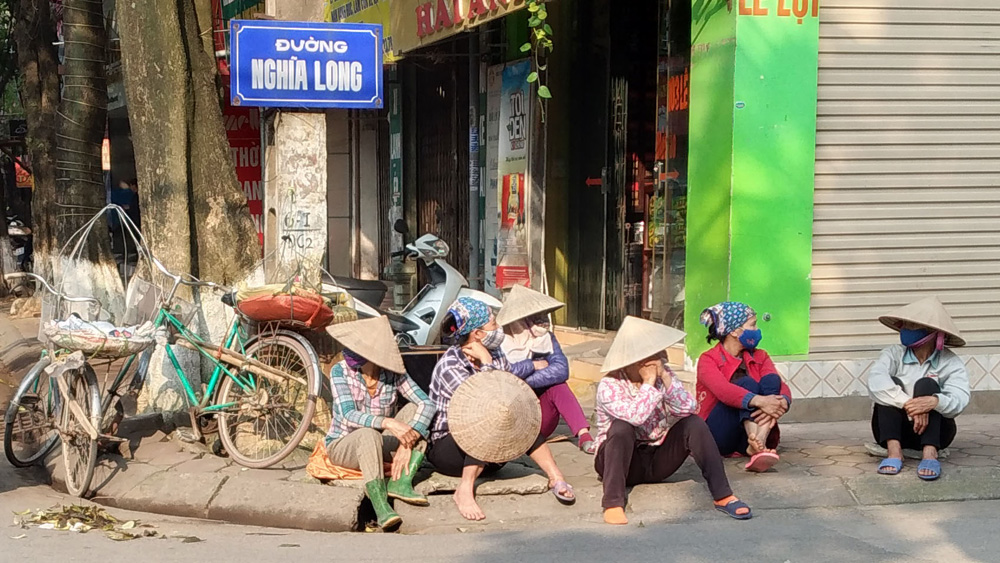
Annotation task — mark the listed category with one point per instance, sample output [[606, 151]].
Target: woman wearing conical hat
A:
[[368, 426], [476, 339], [919, 386], [536, 357], [740, 393], [646, 422]]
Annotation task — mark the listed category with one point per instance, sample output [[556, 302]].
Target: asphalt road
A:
[[951, 532]]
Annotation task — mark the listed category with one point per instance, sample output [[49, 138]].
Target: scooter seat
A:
[[354, 283]]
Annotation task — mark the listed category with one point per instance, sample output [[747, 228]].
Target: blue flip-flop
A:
[[890, 466], [732, 507], [931, 464]]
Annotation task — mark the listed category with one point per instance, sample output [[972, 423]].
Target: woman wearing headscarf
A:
[[645, 427], [919, 386], [476, 339], [536, 357], [740, 393], [368, 426]]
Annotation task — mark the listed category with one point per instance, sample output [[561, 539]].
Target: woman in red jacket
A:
[[740, 394]]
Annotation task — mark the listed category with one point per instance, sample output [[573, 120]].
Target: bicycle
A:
[[42, 415], [265, 406], [265, 386]]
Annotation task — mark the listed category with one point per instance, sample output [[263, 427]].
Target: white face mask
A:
[[539, 331]]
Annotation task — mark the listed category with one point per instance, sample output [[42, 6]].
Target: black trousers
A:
[[450, 460], [890, 423], [622, 463]]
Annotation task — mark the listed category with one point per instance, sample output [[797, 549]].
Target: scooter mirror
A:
[[399, 226]]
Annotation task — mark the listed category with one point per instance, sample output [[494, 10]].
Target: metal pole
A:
[[474, 270]]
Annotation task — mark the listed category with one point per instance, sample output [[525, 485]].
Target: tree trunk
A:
[[34, 33], [182, 153], [80, 177], [201, 223]]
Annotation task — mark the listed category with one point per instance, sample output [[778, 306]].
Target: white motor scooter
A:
[[419, 323]]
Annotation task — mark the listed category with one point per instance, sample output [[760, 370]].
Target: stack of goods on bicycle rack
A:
[[294, 304], [100, 338]]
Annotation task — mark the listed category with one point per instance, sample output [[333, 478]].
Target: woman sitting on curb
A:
[[535, 357], [368, 427], [740, 393], [476, 338], [645, 430], [918, 387]]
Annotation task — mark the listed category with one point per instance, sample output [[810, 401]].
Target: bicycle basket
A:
[[98, 339], [143, 299]]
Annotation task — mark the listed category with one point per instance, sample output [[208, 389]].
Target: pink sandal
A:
[[761, 462]]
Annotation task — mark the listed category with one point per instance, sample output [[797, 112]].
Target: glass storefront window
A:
[[666, 205]]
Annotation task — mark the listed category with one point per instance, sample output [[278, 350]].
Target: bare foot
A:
[[754, 447], [467, 505], [763, 431]]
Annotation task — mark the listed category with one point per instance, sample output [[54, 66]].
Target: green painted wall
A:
[[710, 159], [774, 156], [761, 181]]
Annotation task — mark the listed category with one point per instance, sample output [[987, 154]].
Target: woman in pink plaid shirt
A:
[[645, 427]]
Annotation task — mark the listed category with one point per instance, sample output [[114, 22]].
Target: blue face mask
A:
[[909, 337], [750, 339]]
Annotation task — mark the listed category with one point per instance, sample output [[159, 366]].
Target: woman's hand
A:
[[920, 423], [407, 436], [540, 364], [477, 353], [401, 462], [649, 372], [920, 405], [773, 406]]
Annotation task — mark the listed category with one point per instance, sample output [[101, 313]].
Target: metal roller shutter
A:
[[907, 200]]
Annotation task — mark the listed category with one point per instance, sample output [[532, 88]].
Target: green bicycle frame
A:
[[245, 380]]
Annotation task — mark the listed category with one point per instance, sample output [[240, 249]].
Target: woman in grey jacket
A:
[[919, 386]]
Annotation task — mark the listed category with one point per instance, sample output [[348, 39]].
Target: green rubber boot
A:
[[402, 488], [387, 517]]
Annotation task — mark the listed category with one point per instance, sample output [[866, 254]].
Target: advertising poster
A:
[[513, 261], [243, 131], [494, 78]]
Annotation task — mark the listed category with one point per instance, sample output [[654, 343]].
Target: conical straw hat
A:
[[372, 339], [494, 416], [928, 312], [523, 302], [637, 340]]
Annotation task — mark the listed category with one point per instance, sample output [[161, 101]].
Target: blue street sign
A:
[[306, 64]]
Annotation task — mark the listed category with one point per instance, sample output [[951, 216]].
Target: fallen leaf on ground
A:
[[128, 525], [21, 537], [191, 539], [82, 519], [289, 545]]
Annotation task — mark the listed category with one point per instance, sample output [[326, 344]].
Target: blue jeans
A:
[[726, 422]]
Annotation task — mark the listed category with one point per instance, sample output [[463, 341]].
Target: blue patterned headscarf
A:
[[727, 316], [470, 314]]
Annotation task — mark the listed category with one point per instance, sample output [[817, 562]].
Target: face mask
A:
[[750, 339], [910, 337], [539, 327], [493, 339]]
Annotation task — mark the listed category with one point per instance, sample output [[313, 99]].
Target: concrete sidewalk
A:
[[823, 464]]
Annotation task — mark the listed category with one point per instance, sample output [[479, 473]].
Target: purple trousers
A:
[[557, 401]]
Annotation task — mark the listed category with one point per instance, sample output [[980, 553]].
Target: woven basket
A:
[[94, 343]]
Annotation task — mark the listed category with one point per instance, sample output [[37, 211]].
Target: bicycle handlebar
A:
[[53, 290]]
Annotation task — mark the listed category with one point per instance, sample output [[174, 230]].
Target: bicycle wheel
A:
[[29, 432], [79, 450], [266, 421]]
